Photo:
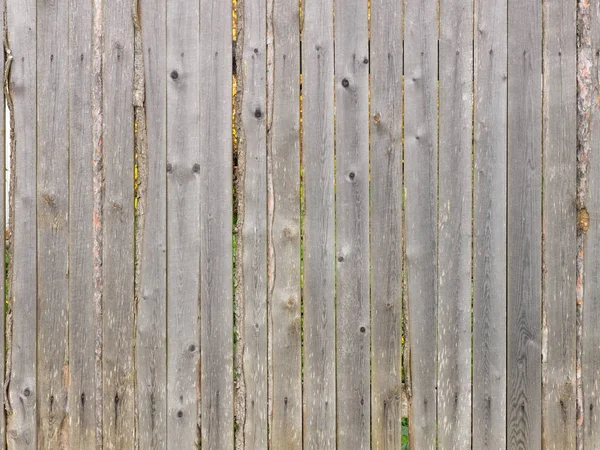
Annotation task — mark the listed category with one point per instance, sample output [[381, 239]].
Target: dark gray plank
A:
[[386, 223], [420, 180], [489, 225], [524, 224], [454, 224], [318, 222], [216, 275]]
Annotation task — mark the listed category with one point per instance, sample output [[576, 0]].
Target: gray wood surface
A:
[[3, 247], [454, 224], [216, 272], [524, 225], [559, 226], [52, 222], [283, 146], [386, 223], [21, 358], [489, 225], [319, 397], [183, 223], [118, 296], [420, 180]]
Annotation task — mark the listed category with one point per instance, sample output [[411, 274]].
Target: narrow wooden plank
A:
[[3, 247], [489, 225], [183, 223], [151, 240], [420, 180], [21, 357], [454, 224], [386, 223], [524, 224], [216, 272], [117, 313], [319, 225], [559, 226]]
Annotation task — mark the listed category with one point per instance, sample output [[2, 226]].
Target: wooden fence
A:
[[376, 231]]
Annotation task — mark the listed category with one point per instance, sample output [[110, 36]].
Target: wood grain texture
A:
[[489, 225], [118, 296], [21, 358], [3, 248], [386, 223], [559, 226], [524, 224], [216, 274], [183, 223], [454, 224], [420, 181], [319, 225]]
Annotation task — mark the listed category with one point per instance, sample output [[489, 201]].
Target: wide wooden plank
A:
[[524, 224], [420, 181], [118, 210], [183, 223], [318, 221], [454, 224], [21, 357], [489, 225], [386, 223], [559, 226], [216, 272]]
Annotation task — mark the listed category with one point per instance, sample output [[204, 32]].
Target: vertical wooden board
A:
[[524, 224], [559, 226], [454, 224], [283, 146], [420, 181], [183, 223], [151, 338], [318, 222], [3, 249], [489, 225], [386, 223], [21, 357], [216, 272], [118, 301]]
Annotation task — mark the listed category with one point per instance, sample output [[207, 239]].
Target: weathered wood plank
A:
[[559, 226], [524, 224], [386, 223], [420, 180], [489, 225], [3, 248], [118, 294], [319, 225], [454, 224], [183, 223], [151, 126], [216, 275], [21, 357]]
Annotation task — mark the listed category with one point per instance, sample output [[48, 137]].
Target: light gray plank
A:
[[420, 180], [454, 224], [21, 357], [524, 224], [559, 227], [183, 223], [216, 274], [386, 223], [489, 225], [3, 247], [319, 225], [117, 299]]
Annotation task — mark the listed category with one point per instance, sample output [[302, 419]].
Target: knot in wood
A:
[[583, 220]]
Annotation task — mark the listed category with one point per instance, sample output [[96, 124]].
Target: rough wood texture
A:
[[319, 225], [183, 223], [489, 225], [386, 223], [216, 275], [524, 224], [420, 179], [118, 295], [559, 226]]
